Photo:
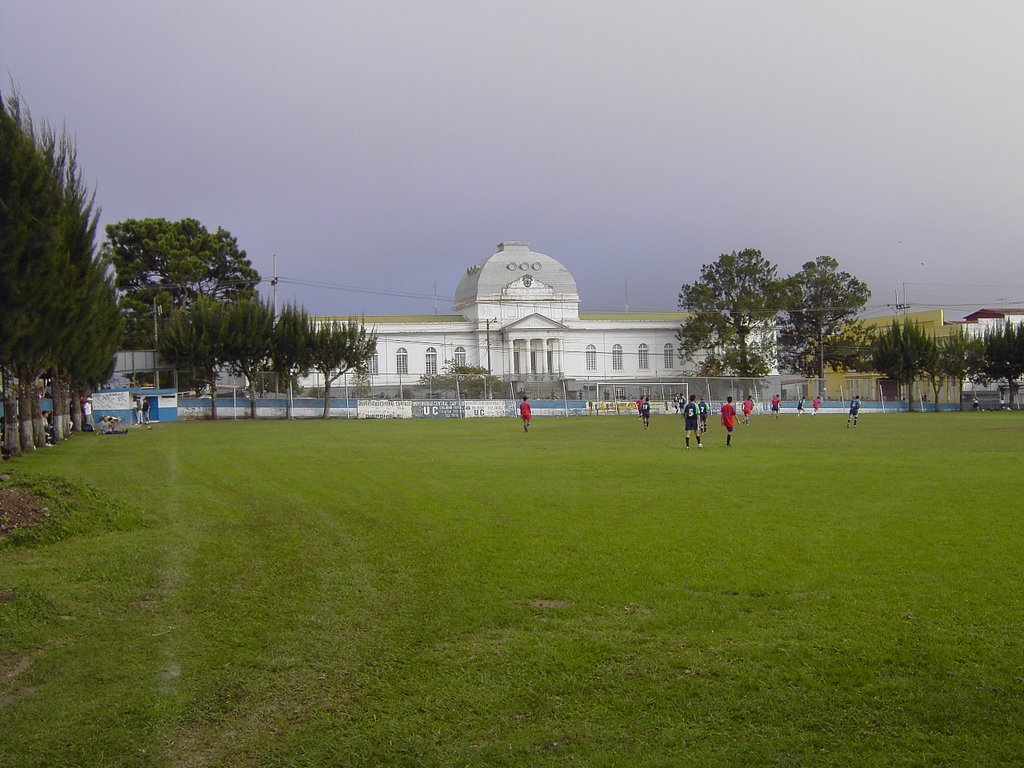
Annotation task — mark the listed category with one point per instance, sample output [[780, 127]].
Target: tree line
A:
[[68, 306], [907, 354], [744, 319], [246, 338], [60, 320]]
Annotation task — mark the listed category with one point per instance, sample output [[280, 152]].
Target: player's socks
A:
[[687, 442]]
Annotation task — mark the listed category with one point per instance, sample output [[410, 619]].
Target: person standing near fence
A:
[[728, 420], [815, 405], [776, 406], [691, 417], [854, 411]]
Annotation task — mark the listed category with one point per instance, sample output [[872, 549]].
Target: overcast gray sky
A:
[[387, 146]]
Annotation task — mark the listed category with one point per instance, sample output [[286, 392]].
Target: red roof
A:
[[992, 314]]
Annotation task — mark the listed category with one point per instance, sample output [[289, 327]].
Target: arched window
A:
[[591, 357], [670, 356], [431, 362], [460, 356], [617, 357], [643, 357], [402, 361]]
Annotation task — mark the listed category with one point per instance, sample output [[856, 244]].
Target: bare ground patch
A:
[[550, 602], [20, 508]]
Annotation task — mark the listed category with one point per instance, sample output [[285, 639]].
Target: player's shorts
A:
[[691, 423], [730, 429], [775, 408]]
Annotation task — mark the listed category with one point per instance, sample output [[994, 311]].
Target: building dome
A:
[[514, 265]]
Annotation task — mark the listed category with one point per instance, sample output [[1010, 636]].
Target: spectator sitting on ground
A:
[[108, 426]]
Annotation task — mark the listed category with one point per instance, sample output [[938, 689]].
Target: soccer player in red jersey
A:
[[525, 413], [748, 406], [728, 420]]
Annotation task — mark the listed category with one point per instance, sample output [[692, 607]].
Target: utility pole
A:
[[273, 286], [821, 355], [487, 379], [488, 325], [901, 308]]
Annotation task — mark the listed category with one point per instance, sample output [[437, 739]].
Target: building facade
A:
[[518, 317]]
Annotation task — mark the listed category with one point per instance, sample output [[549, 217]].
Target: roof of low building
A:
[[993, 313]]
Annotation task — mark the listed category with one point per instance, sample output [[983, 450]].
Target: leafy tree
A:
[[195, 339], [1004, 356], [89, 314], [250, 329], [902, 353], [823, 301], [732, 313], [851, 348], [163, 265], [32, 262], [24, 213], [469, 381], [362, 384], [291, 347], [931, 367], [960, 356], [338, 347]]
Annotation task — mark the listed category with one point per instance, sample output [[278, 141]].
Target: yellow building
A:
[[872, 386]]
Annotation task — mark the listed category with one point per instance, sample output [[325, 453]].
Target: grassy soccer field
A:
[[439, 593]]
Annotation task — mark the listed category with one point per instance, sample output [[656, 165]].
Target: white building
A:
[[519, 318], [983, 321]]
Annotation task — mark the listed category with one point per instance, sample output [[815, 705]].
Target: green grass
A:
[[437, 593]]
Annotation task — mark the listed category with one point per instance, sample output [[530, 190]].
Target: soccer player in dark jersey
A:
[[728, 420], [702, 413], [854, 410], [692, 418], [645, 412]]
